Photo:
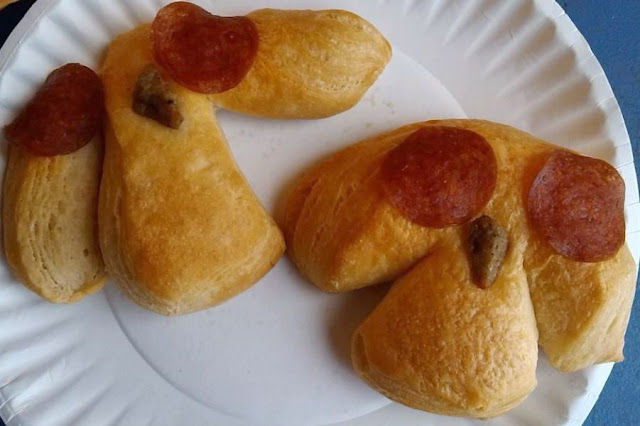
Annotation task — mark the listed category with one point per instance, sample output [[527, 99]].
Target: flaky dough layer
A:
[[50, 221]]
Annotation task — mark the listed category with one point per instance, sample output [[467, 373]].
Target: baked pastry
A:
[[369, 214], [322, 73], [180, 229], [4, 3], [440, 344], [51, 187], [271, 63], [50, 222]]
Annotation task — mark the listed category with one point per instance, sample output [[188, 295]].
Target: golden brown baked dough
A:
[[4, 3], [439, 343], [339, 228], [582, 308], [180, 229], [343, 234], [50, 221], [309, 64]]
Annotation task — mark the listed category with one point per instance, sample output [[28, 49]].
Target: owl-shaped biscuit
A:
[[497, 242]]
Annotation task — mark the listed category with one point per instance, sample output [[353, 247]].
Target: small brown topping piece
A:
[[152, 98], [488, 243]]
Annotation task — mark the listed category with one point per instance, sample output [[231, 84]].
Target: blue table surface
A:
[[612, 30]]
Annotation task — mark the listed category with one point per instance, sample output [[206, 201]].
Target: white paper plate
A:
[[278, 353]]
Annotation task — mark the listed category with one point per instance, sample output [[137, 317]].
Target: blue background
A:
[[612, 28]]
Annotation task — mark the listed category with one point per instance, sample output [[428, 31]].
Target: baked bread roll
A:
[[309, 64], [270, 63], [180, 229], [438, 343], [339, 229], [51, 187], [343, 233], [582, 308], [50, 221]]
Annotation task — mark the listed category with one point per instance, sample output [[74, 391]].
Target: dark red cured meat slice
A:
[[576, 203], [63, 116], [440, 176], [201, 51]]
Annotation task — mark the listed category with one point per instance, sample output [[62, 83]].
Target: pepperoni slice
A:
[[201, 51], [440, 176], [64, 114], [576, 203]]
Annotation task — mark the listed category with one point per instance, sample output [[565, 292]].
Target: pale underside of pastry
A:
[[309, 64], [343, 234], [180, 229], [50, 221]]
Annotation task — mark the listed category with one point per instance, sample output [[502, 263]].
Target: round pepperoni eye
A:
[[440, 176], [201, 51], [576, 204], [63, 116]]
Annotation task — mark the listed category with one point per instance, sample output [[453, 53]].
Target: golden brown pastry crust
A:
[[309, 64], [439, 343], [582, 309], [342, 234], [50, 221], [180, 229], [4, 3], [338, 227]]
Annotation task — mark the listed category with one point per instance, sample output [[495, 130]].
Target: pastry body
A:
[[180, 229], [309, 64], [582, 308], [50, 221], [368, 241], [439, 343], [340, 232], [343, 234]]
